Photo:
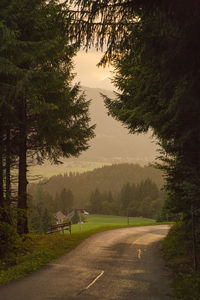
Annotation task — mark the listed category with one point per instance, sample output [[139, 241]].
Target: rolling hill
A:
[[113, 142], [105, 178]]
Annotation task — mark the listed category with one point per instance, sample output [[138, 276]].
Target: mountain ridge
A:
[[113, 142], [105, 178]]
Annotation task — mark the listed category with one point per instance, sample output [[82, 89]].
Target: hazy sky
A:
[[139, 147], [89, 74]]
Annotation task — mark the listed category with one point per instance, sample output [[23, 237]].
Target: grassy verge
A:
[[177, 247], [37, 250]]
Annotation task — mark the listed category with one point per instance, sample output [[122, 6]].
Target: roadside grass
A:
[[38, 250], [177, 249]]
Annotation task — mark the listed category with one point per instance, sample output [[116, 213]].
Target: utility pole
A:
[[80, 219], [127, 217]]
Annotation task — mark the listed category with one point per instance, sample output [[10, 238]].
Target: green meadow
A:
[[101, 221]]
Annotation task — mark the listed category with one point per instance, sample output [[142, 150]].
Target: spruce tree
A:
[[154, 47], [49, 116]]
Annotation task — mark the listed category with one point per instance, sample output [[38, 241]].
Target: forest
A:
[[141, 200], [106, 178], [119, 189], [154, 48]]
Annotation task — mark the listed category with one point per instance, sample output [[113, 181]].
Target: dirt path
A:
[[123, 264]]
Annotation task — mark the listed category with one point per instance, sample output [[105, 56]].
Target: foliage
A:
[[102, 191], [10, 243], [143, 199], [167, 215], [41, 211], [187, 286], [108, 178], [77, 218], [154, 47], [42, 208], [178, 254], [175, 244], [64, 201], [42, 114]]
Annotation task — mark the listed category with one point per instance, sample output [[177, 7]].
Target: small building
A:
[[75, 214], [60, 217], [70, 215]]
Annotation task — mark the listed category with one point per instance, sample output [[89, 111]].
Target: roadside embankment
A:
[[178, 253]]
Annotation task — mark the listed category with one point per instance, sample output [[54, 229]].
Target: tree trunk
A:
[[8, 180], [22, 222], [1, 176], [194, 241], [8, 168]]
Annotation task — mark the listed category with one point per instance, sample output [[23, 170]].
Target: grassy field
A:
[[98, 221]]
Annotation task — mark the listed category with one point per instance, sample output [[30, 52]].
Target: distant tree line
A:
[[143, 199], [107, 178]]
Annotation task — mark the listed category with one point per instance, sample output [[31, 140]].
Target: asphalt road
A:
[[123, 264]]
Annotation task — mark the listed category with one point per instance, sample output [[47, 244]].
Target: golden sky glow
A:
[[89, 74]]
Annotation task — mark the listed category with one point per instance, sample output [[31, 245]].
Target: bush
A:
[[177, 247], [187, 286], [76, 218], [10, 243], [176, 244]]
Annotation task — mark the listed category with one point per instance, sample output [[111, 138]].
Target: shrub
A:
[[10, 243], [176, 244], [187, 286], [177, 247]]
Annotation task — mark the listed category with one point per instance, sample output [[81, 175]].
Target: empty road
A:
[[123, 264]]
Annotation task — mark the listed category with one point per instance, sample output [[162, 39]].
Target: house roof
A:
[[70, 215], [60, 215]]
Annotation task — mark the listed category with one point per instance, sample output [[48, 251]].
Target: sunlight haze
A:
[[89, 74]]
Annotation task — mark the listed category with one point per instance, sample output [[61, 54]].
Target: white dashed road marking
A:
[[139, 253], [89, 285]]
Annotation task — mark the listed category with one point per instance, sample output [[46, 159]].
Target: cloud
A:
[[105, 77]]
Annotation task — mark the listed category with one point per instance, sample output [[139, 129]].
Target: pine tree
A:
[[66, 200], [125, 198], [50, 116], [95, 204], [154, 46]]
